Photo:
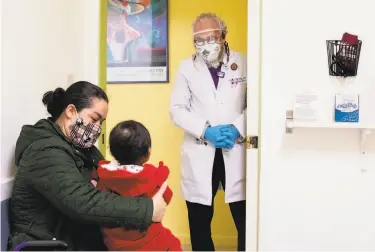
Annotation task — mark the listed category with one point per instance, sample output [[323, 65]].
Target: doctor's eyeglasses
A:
[[209, 40]]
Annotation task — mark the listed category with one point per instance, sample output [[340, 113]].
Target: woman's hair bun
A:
[[54, 101]]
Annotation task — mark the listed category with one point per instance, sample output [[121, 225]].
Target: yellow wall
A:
[[148, 103]]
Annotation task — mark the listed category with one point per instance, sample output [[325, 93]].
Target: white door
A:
[[253, 111]]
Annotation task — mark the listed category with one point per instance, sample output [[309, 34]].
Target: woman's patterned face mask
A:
[[83, 135]]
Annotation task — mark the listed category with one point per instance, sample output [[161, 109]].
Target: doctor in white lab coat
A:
[[209, 103]]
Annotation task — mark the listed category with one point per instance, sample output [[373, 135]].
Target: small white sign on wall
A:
[[305, 106]]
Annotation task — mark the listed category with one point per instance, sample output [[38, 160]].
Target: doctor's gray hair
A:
[[210, 15]]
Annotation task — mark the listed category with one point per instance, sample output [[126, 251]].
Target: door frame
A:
[[102, 71], [254, 79], [253, 155]]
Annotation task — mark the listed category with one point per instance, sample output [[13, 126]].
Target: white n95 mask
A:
[[210, 53]]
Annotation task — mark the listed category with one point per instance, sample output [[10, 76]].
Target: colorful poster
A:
[[137, 41]]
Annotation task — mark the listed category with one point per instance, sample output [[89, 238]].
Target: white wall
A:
[[90, 41], [83, 23], [45, 44], [1, 87], [313, 194]]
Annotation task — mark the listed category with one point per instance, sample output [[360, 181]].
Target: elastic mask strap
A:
[[207, 30]]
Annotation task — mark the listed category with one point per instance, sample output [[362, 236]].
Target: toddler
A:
[[128, 175]]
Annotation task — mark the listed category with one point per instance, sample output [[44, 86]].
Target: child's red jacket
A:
[[137, 181]]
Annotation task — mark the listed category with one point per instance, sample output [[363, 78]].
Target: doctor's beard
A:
[[212, 54]]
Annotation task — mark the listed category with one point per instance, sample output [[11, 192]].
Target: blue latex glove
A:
[[230, 132], [214, 135], [225, 144]]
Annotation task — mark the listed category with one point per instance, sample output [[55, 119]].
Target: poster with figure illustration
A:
[[137, 41]]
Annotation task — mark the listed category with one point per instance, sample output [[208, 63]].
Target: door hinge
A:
[[103, 138], [252, 142]]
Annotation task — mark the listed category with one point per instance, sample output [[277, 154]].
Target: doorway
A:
[[254, 70], [241, 18]]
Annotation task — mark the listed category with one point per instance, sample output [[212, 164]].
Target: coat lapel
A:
[[205, 74], [225, 68]]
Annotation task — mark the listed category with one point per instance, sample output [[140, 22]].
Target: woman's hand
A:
[[159, 204], [94, 182]]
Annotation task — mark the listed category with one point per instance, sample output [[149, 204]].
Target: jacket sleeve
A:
[[157, 176], [161, 175], [167, 196], [53, 173], [180, 109]]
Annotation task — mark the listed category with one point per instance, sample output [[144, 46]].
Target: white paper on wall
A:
[[305, 107]]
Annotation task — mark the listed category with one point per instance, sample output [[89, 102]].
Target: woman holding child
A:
[[52, 194]]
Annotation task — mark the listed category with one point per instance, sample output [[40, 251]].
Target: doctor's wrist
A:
[[239, 139], [204, 131], [236, 131]]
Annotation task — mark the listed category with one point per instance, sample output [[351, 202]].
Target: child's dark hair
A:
[[129, 141]]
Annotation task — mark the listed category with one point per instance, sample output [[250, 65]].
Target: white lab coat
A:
[[195, 102]]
